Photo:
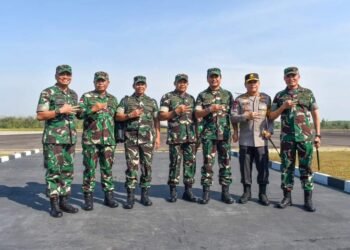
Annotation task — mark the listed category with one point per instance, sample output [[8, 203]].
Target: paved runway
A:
[[12, 143], [26, 224]]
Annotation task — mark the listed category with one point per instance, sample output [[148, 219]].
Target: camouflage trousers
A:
[[138, 154], [105, 155], [223, 148], [177, 153], [258, 155], [58, 161], [288, 156]]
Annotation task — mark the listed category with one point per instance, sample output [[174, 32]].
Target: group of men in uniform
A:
[[213, 119]]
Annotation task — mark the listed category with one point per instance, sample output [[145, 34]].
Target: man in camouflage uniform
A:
[[250, 110], [57, 107], [214, 105], [98, 111], [294, 104], [142, 134], [177, 107]]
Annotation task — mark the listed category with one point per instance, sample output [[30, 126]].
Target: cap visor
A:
[[252, 79], [182, 79]]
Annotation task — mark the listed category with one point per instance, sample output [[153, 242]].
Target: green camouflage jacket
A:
[[181, 128], [61, 129], [295, 122], [98, 126], [139, 130], [217, 125]]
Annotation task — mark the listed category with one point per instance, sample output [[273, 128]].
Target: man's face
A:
[[181, 86], [252, 86], [64, 78], [140, 88], [101, 85], [292, 80], [214, 81]]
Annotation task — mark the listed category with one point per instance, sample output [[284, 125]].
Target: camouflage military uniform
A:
[[296, 136], [140, 138], [181, 138], [252, 146], [59, 139], [216, 135], [98, 139]]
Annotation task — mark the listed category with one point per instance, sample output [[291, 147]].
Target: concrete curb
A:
[[320, 178], [18, 155]]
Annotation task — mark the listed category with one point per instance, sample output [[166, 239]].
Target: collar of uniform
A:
[[138, 97], [59, 89], [180, 95], [212, 91], [247, 95], [98, 94], [298, 89]]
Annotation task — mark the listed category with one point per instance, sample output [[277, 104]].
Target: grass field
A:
[[334, 163]]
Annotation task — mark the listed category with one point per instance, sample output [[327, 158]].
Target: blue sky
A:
[[162, 38]]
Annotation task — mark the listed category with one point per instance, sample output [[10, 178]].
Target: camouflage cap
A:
[[138, 79], [214, 71], [251, 77], [291, 70], [180, 77], [101, 75], [63, 68]]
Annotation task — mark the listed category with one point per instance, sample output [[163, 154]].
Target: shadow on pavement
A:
[[33, 194]]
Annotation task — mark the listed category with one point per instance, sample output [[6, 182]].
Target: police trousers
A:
[[258, 155]]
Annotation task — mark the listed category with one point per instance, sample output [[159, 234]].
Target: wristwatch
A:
[[57, 111], [318, 135]]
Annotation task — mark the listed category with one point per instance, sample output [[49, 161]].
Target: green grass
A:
[[21, 129], [334, 163]]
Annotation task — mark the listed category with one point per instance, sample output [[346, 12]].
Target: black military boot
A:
[[89, 205], [55, 210], [188, 195], [262, 195], [130, 199], [308, 201], [225, 195], [173, 194], [145, 198], [247, 194], [206, 195], [66, 207], [109, 200], [287, 199]]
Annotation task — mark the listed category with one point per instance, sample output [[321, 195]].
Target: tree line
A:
[[28, 122], [31, 122]]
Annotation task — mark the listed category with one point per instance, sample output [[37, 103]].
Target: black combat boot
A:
[[130, 199], [188, 195], [173, 194], [225, 195], [308, 201], [145, 198], [89, 204], [287, 199], [55, 210], [66, 207], [206, 195], [109, 200], [247, 194], [262, 195]]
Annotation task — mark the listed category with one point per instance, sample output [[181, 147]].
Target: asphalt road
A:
[[21, 142], [26, 224]]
